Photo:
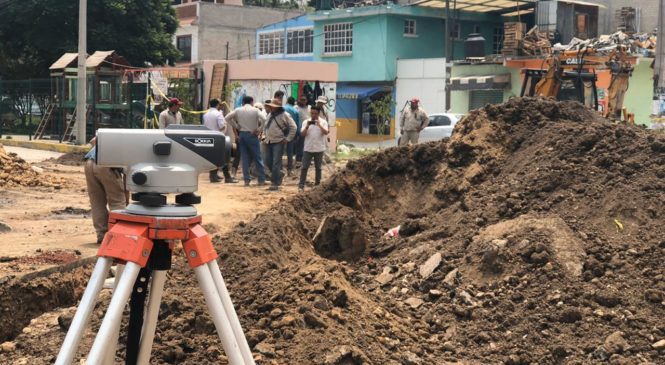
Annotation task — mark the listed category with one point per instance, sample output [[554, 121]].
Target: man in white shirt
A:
[[314, 132], [214, 120]]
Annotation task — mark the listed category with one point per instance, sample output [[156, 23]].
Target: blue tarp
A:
[[356, 91]]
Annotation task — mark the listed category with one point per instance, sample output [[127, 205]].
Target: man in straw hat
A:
[[280, 129]]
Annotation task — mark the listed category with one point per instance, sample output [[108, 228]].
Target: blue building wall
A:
[[301, 22]]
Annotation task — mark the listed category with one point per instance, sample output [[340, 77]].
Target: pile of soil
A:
[[534, 235], [14, 171], [69, 159]]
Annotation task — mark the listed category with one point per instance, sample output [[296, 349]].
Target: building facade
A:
[[367, 42], [291, 39], [220, 31]]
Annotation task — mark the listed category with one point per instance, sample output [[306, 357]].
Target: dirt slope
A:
[[534, 235]]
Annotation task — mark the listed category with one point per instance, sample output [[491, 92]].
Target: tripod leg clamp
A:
[[198, 247], [128, 242]]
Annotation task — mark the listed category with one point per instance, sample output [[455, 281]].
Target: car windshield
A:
[[439, 121]]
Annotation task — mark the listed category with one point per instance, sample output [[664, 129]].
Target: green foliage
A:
[[35, 33], [381, 109]]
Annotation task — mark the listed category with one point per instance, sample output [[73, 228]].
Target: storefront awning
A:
[[492, 82], [356, 91]]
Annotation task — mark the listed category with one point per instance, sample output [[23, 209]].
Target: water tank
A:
[[474, 46]]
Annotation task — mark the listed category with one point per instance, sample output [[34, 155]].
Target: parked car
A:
[[440, 126]]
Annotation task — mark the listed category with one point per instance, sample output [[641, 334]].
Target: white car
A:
[[440, 126]]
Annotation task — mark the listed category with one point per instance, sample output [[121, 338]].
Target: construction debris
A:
[[516, 261], [643, 44], [536, 43], [14, 171]]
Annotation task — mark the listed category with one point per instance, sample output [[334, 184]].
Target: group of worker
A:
[[260, 133]]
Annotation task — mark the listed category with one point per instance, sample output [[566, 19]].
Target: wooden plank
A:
[[219, 73]]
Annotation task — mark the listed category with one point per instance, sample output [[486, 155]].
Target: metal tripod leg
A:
[[150, 323], [113, 340], [82, 316], [216, 309], [230, 312], [113, 315]]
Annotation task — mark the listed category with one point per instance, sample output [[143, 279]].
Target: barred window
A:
[[300, 41], [497, 39], [338, 39], [271, 43], [409, 27]]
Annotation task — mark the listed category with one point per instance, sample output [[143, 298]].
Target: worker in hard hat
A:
[[412, 122]]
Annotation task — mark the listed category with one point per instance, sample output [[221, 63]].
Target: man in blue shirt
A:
[[291, 147]]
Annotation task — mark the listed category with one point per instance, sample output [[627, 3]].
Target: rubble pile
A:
[[14, 171], [533, 235], [643, 44]]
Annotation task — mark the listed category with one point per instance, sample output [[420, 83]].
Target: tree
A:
[[381, 109], [35, 33]]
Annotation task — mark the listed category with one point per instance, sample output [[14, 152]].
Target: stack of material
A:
[[536, 43], [14, 171], [640, 43], [626, 19], [513, 34]]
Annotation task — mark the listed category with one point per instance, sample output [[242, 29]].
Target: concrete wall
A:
[[640, 92], [648, 12], [236, 25], [459, 100]]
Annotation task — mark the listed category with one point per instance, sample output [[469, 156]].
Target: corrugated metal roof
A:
[[97, 58], [587, 3], [480, 6], [64, 61]]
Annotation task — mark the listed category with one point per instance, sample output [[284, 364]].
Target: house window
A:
[[456, 30], [184, 45], [497, 39], [338, 39], [409, 27], [300, 41], [271, 43]]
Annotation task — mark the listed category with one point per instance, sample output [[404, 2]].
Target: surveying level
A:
[[141, 240]]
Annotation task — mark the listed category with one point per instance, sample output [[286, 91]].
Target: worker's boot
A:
[[228, 179], [214, 178]]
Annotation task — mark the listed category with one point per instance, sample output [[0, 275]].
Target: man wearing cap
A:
[[249, 121], [171, 115], [280, 129], [413, 120], [214, 120]]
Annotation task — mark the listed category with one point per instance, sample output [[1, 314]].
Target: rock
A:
[[36, 169], [8, 346], [448, 346], [385, 277], [313, 321], [570, 315], [342, 355], [4, 227], [435, 294], [451, 278], [654, 296], [409, 266], [615, 343], [466, 298], [255, 336], [275, 313], [337, 315], [414, 302], [660, 345], [65, 320], [265, 349], [430, 265], [409, 358], [341, 299], [286, 321]]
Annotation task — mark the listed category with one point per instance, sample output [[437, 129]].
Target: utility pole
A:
[[81, 91], [659, 66], [449, 52]]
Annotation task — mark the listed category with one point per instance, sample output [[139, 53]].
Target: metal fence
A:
[[22, 104]]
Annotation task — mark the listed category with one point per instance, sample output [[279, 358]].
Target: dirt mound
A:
[[534, 235], [14, 171], [69, 159]]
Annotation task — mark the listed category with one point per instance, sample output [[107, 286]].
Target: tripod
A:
[[142, 237]]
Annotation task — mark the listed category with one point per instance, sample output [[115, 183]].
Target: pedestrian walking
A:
[[290, 108], [106, 191], [412, 122], [249, 121], [171, 115], [314, 132], [280, 129], [213, 119]]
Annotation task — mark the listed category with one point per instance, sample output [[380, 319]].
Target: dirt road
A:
[[43, 220]]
